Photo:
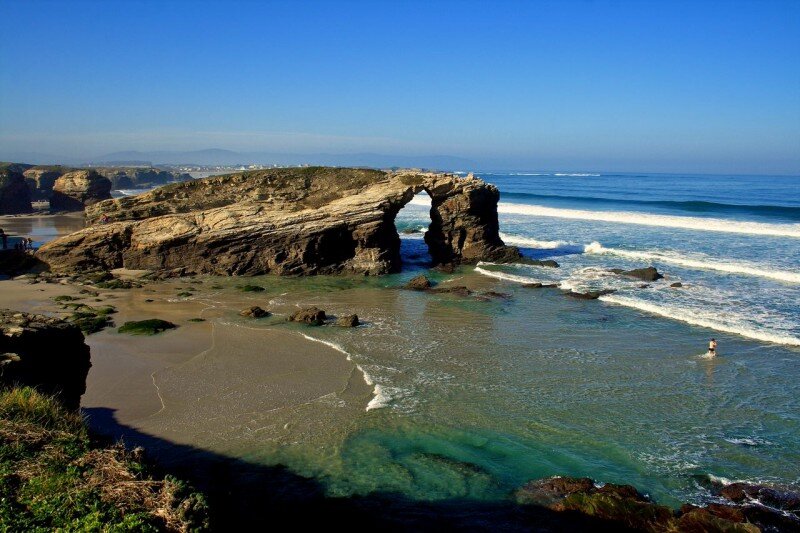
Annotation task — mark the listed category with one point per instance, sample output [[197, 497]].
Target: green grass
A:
[[146, 327], [54, 477]]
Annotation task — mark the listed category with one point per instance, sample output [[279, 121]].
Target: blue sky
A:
[[585, 85]]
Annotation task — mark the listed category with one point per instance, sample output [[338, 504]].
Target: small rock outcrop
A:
[[313, 316], [135, 177], [254, 312], [43, 352], [644, 274], [418, 283], [292, 221], [75, 190], [15, 198], [589, 295], [347, 321]]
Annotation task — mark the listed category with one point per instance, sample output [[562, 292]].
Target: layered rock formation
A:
[[314, 220], [15, 197], [40, 181], [75, 190], [42, 352]]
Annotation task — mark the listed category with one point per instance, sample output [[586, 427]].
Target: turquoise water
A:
[[474, 396]]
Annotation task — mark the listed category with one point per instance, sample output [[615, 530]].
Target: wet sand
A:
[[218, 384]]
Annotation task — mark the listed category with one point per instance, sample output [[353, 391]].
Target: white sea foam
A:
[[502, 275], [576, 174], [379, 397], [526, 242], [705, 319], [647, 219], [698, 261]]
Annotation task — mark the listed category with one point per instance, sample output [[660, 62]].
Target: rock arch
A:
[[317, 220]]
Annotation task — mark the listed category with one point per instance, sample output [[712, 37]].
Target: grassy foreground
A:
[[54, 476]]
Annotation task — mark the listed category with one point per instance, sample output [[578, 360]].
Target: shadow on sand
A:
[[247, 495]]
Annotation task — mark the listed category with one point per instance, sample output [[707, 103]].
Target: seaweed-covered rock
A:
[[43, 352], [254, 312], [347, 321], [588, 295], [146, 327], [644, 274], [313, 316]]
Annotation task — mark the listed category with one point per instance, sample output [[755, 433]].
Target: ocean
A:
[[467, 398]]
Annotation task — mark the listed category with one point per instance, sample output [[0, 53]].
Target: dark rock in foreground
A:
[[45, 353], [15, 197], [347, 321], [313, 316], [315, 220], [75, 190], [589, 295], [255, 312], [644, 274]]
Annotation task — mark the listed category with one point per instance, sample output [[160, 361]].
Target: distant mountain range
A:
[[216, 156]]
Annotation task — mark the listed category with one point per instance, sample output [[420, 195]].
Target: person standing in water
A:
[[712, 347]]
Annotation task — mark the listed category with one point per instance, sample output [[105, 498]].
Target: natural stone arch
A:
[[316, 220]]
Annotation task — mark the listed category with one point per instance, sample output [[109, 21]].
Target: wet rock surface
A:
[[313, 316]]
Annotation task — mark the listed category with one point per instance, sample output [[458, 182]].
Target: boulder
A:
[[255, 312], [293, 221], [418, 283], [539, 262], [644, 274], [43, 352], [676, 285], [313, 316], [15, 197], [347, 321], [75, 190]]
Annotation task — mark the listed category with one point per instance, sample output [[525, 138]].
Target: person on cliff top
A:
[[712, 347]]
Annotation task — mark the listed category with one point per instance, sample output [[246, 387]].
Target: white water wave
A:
[[526, 242], [706, 319], [698, 261], [647, 219], [504, 276], [379, 397]]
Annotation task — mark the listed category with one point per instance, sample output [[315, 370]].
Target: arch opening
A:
[[412, 221]]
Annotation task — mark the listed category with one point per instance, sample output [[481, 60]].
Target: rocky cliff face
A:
[[40, 181], [75, 190], [43, 352], [314, 220], [14, 194]]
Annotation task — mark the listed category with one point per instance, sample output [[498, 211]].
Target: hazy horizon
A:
[[666, 87]]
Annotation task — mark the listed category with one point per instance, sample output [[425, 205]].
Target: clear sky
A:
[[584, 85]]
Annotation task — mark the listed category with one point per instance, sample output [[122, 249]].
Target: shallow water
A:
[[473, 396]]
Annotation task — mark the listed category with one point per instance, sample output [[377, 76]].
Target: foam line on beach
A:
[[697, 318], [698, 262], [379, 397], [647, 219]]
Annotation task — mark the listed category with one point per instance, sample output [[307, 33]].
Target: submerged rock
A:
[[146, 327], [313, 316], [418, 283], [255, 312], [644, 274], [75, 190], [43, 352], [538, 285], [676, 285], [315, 220], [458, 290], [15, 197], [589, 295], [539, 262], [347, 321]]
